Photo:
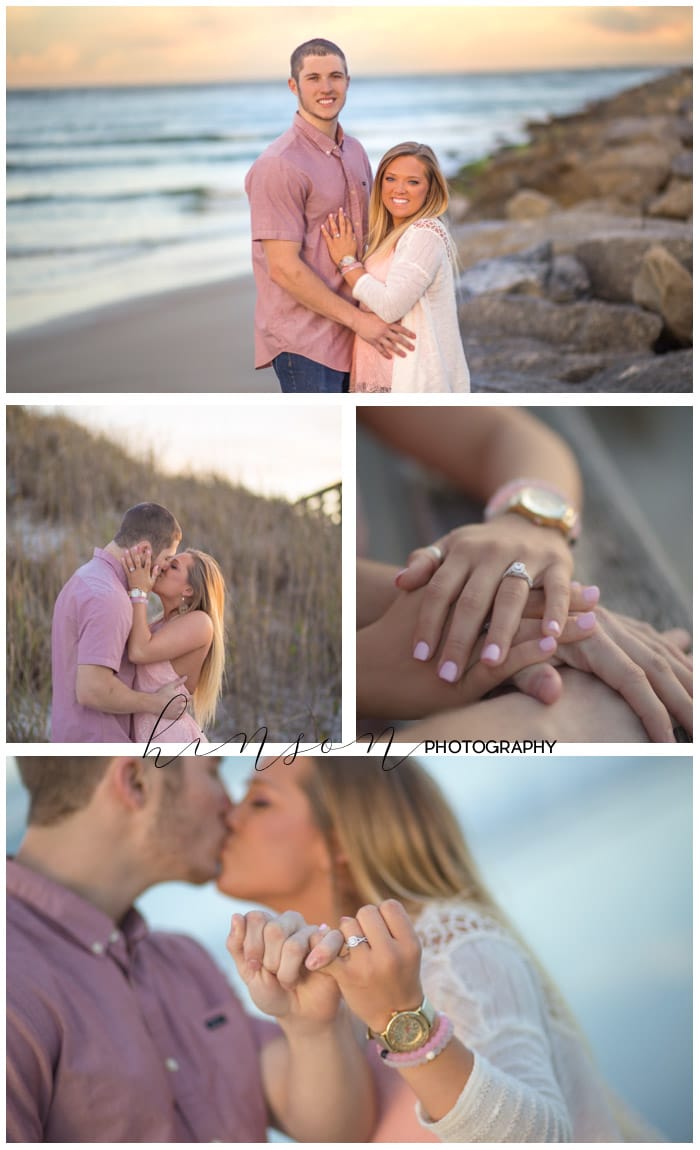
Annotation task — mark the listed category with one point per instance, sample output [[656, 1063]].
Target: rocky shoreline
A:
[[576, 250]]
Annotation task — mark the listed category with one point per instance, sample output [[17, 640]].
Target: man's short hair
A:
[[314, 48], [59, 787], [151, 522]]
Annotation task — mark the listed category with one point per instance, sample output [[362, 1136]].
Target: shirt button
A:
[[97, 948], [114, 936], [172, 1064]]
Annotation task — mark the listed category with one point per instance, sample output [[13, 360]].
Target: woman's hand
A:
[[649, 670], [471, 576], [382, 974], [137, 568], [339, 236]]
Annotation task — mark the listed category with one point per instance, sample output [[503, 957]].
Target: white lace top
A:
[[420, 292], [533, 1080]]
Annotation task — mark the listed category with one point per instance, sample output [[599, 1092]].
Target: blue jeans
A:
[[297, 373]]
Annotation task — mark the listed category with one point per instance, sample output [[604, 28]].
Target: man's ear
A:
[[292, 85], [129, 783]]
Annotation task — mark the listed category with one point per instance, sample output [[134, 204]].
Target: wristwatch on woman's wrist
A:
[[406, 1029], [544, 507], [345, 262]]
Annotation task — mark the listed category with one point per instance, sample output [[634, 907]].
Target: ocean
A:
[[114, 193], [592, 860]]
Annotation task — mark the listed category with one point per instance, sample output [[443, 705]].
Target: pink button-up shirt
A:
[[292, 187], [91, 624], [118, 1034]]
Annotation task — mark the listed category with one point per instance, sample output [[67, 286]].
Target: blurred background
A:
[[592, 860]]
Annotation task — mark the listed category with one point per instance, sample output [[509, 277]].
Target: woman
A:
[[187, 642], [407, 273], [326, 837]]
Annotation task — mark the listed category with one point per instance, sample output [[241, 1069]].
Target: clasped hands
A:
[[298, 973], [475, 630]]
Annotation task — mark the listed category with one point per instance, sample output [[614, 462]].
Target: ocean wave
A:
[[204, 197], [102, 141]]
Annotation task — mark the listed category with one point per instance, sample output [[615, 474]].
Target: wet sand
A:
[[197, 339]]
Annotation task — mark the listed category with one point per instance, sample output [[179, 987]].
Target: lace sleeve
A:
[[512, 1095], [419, 254]]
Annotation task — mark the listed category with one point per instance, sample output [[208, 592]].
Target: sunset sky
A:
[[64, 46]]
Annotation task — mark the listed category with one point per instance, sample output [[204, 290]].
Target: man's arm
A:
[[319, 1059], [288, 271], [29, 1076], [101, 690]]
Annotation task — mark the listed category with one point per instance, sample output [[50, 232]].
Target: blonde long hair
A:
[[383, 236], [400, 839], [209, 595]]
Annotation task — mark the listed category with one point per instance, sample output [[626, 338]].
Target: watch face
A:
[[407, 1031], [544, 503]]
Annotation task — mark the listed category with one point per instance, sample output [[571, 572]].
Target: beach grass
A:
[[67, 489]]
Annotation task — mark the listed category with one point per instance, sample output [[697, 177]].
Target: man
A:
[[92, 677], [304, 326], [119, 1034]]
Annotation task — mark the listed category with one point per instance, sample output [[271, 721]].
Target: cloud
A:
[[640, 21]]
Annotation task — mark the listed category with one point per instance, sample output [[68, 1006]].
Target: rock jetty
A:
[[576, 250]]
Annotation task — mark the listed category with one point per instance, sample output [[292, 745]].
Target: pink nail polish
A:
[[448, 671], [553, 626], [586, 622], [548, 644], [421, 651], [491, 654], [399, 574], [591, 594]]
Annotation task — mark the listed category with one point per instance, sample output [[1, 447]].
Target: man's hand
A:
[[386, 338], [270, 953]]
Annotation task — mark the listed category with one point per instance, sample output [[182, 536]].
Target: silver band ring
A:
[[336, 235], [519, 571], [132, 568], [436, 552], [351, 943]]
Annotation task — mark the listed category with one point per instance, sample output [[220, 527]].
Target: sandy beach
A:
[[189, 340]]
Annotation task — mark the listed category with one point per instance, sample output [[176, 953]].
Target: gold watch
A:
[[546, 509], [406, 1029]]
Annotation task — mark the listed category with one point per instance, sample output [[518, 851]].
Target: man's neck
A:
[[91, 869], [114, 549], [328, 127]]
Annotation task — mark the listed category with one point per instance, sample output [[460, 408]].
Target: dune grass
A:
[[67, 489]]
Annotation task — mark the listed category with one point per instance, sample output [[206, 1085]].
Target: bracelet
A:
[[426, 1053], [137, 595], [351, 267]]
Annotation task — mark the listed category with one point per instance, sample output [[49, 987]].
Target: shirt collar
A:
[[317, 137], [74, 916], [113, 562]]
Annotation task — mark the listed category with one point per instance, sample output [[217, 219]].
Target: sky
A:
[[270, 451], [92, 45]]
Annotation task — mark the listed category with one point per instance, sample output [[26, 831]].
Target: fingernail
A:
[[324, 926], [491, 654], [399, 574], [313, 962], [586, 622], [591, 594], [449, 671], [548, 644], [421, 651], [553, 626]]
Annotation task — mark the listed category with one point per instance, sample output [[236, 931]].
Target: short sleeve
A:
[[104, 624], [419, 255], [277, 192]]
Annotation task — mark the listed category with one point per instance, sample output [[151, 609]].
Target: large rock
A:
[[632, 173], [676, 202], [612, 261], [637, 129], [524, 275], [567, 280], [586, 326], [528, 204], [661, 373], [682, 165], [664, 286]]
